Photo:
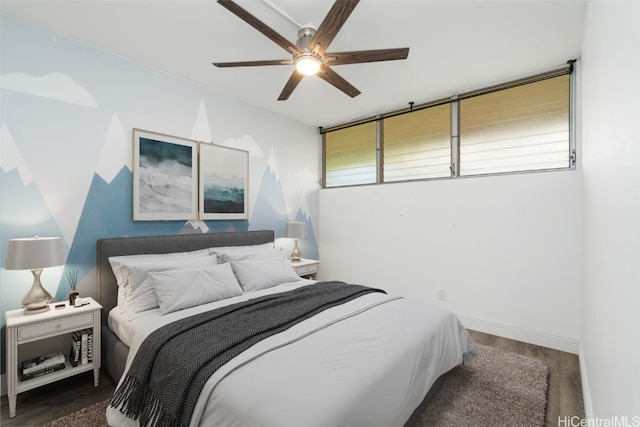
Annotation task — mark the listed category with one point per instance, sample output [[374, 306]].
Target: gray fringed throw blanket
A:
[[175, 361]]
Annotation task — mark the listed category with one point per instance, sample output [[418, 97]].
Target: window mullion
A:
[[455, 139], [323, 180], [572, 120], [379, 151]]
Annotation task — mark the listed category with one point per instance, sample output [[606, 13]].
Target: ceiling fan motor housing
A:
[[305, 35]]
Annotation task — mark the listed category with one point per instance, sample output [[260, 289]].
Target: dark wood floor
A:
[[44, 404], [38, 407]]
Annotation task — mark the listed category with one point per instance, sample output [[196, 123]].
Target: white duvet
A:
[[368, 362]]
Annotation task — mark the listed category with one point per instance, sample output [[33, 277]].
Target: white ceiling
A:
[[455, 46]]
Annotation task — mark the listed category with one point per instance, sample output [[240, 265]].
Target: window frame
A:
[[454, 102]]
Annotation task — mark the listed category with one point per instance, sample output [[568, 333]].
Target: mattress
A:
[[368, 362]]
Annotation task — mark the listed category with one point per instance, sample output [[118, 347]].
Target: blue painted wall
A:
[[67, 113]]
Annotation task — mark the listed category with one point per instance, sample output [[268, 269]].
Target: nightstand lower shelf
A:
[[67, 372]]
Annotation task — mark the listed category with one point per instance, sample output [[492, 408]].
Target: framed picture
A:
[[224, 178], [165, 177]]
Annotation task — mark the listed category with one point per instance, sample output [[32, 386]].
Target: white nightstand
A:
[[306, 268], [33, 335]]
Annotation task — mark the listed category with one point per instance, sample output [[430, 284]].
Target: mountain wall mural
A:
[[66, 165]]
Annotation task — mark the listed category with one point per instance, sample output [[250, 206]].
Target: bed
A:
[[369, 359]]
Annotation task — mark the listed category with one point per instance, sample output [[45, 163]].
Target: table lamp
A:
[[35, 253], [295, 231]]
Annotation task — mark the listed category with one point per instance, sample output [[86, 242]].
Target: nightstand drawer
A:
[[55, 326], [306, 269]]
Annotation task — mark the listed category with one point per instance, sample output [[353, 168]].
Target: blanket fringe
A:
[[135, 401]]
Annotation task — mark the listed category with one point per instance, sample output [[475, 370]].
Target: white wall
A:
[[611, 210], [506, 248]]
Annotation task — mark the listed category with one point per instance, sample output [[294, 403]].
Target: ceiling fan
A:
[[309, 53]]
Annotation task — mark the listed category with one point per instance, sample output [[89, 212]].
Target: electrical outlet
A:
[[442, 294]]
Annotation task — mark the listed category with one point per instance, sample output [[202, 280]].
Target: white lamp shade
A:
[[34, 252], [296, 230]]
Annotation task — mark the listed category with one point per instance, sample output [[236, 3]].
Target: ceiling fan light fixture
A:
[[308, 64], [308, 54]]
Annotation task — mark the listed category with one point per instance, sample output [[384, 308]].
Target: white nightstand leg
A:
[[96, 377], [12, 369], [12, 406]]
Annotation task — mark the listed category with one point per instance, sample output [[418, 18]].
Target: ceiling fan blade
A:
[[292, 83], [330, 76], [260, 26], [253, 63], [361, 56], [331, 24]]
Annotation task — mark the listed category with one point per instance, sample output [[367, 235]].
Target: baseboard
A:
[[521, 334], [3, 384], [586, 390]]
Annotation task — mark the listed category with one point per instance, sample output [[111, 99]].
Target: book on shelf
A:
[[83, 348], [41, 372], [74, 353], [42, 362], [89, 345], [41, 365], [81, 351]]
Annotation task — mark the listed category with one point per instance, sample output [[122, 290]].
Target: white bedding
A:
[[120, 325], [368, 362]]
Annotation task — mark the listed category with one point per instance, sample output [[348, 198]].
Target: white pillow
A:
[[238, 256], [262, 273], [180, 289], [123, 299], [142, 295], [118, 261], [244, 251]]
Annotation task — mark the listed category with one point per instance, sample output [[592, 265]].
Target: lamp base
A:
[[296, 255], [36, 310], [37, 299]]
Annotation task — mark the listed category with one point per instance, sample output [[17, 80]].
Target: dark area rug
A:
[[498, 388], [93, 416]]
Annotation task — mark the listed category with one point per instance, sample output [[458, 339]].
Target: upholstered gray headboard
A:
[[107, 287], [114, 352]]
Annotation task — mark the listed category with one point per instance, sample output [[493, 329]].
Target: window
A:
[[523, 128], [417, 145], [350, 156], [516, 127]]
